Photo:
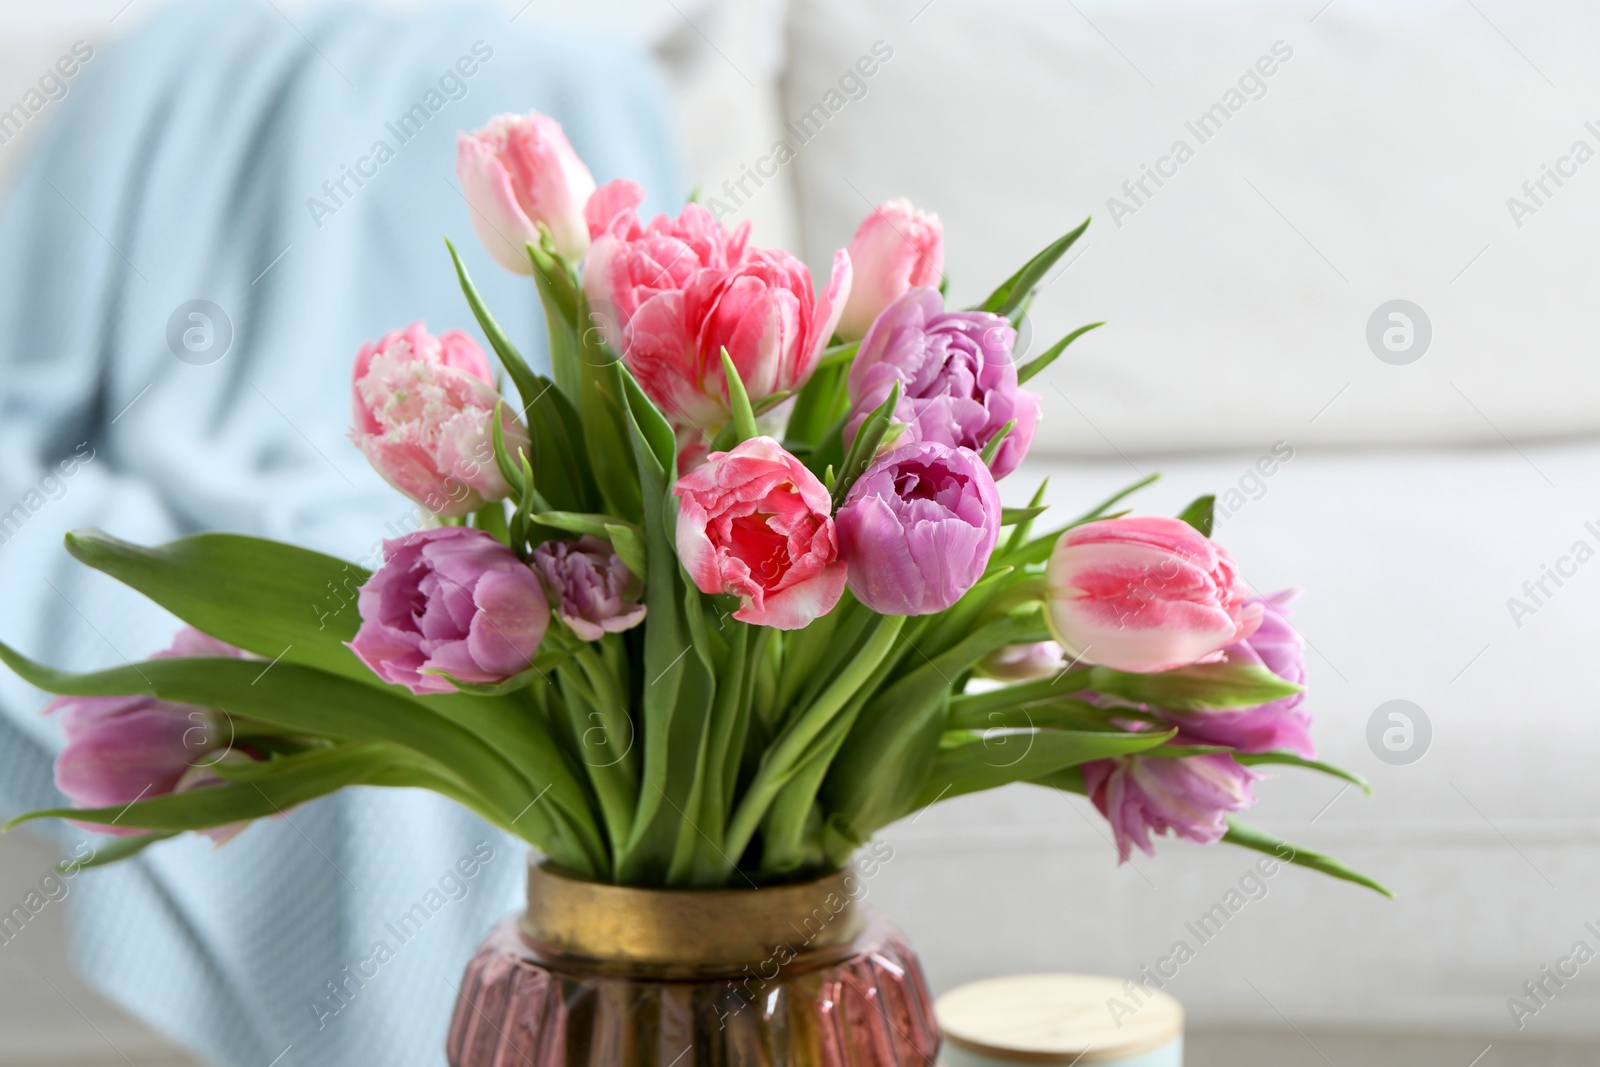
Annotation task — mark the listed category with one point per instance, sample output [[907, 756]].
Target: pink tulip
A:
[[449, 601], [423, 407], [1145, 594], [896, 248], [755, 523], [1190, 796], [593, 590], [126, 748], [918, 527], [516, 173], [671, 296]]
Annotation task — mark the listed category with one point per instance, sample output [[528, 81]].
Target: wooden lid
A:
[[1058, 1018]]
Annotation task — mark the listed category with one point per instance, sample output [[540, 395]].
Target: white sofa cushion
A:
[[1375, 164], [1407, 563]]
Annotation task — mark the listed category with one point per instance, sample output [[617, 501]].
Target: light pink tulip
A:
[[423, 406], [1145, 594], [517, 172], [671, 296], [755, 523], [895, 249]]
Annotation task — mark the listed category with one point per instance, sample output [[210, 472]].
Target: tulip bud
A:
[[519, 172], [896, 248], [594, 591], [1145, 594], [449, 601]]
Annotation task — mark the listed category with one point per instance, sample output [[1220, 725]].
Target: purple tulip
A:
[[449, 601], [917, 528], [957, 377], [1281, 726], [595, 592], [126, 748], [1190, 796]]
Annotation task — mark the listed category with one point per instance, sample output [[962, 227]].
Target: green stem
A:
[[782, 759]]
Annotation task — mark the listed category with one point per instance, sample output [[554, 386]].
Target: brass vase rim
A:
[[687, 932]]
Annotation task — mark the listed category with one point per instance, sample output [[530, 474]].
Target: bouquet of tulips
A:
[[727, 592]]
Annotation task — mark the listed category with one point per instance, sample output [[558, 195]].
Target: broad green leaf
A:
[[1051, 354], [1249, 837], [1015, 290], [1289, 759], [1200, 687], [272, 599], [1061, 712], [818, 403], [604, 431], [1201, 514], [1006, 757], [628, 543], [675, 685]]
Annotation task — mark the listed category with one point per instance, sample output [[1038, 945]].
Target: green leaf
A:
[[993, 446], [560, 298], [1200, 514], [291, 780], [1200, 687], [886, 759], [1005, 757], [1014, 291], [272, 599], [562, 473], [789, 752], [1249, 837], [110, 851], [585, 523], [1038, 550], [821, 404], [1291, 760], [839, 355], [864, 449], [676, 687], [604, 430], [628, 543], [1049, 355], [743, 418], [1016, 516], [1019, 536]]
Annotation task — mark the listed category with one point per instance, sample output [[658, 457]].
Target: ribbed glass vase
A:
[[797, 975]]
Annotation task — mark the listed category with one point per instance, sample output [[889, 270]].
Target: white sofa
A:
[[1374, 163]]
